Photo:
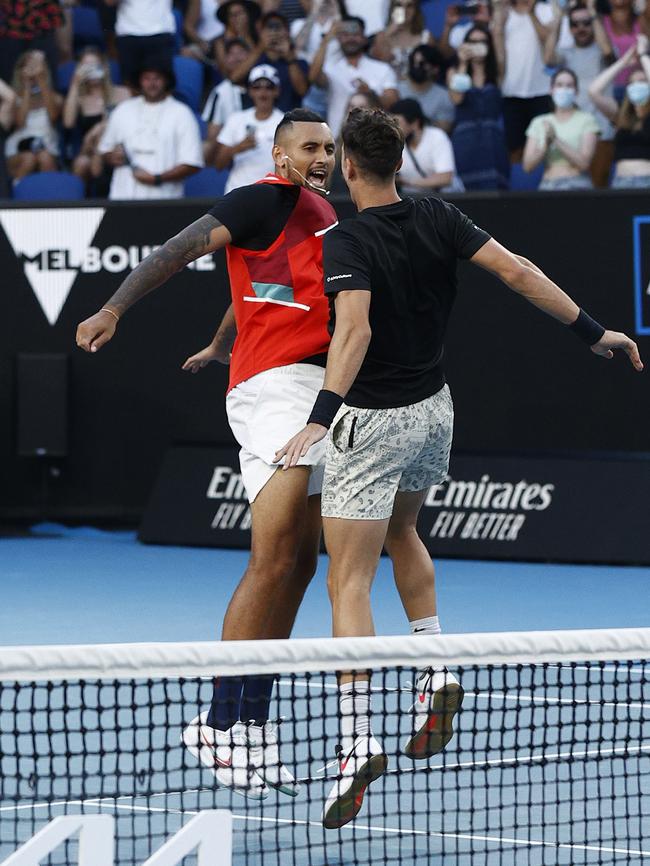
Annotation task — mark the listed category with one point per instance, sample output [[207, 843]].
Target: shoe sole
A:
[[348, 806], [437, 731]]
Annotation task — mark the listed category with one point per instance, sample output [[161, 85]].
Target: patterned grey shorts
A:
[[373, 453]]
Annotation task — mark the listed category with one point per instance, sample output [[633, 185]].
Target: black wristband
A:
[[587, 329], [157, 180], [325, 408]]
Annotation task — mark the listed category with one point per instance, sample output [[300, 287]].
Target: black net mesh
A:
[[549, 764]]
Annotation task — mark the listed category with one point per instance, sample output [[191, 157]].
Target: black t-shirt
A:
[[405, 254], [255, 215]]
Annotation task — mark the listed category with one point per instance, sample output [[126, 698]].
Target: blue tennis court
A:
[[550, 763]]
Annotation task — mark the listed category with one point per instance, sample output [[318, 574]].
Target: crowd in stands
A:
[[145, 99]]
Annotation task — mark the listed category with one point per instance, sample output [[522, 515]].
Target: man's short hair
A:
[[297, 115], [374, 141], [274, 16], [236, 40], [356, 20]]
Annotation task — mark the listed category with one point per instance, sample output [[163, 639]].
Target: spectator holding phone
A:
[[90, 97], [425, 66], [354, 72], [276, 49], [244, 144], [33, 146], [151, 141], [590, 53], [459, 20], [406, 30], [308, 33], [564, 140], [623, 25], [478, 138], [225, 98], [520, 31], [632, 119], [428, 164]]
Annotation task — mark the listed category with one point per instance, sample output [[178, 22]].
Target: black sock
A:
[[256, 699], [226, 698]]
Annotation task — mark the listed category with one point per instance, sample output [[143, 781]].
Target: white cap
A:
[[264, 70]]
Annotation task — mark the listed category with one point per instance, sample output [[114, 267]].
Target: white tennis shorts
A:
[[264, 412]]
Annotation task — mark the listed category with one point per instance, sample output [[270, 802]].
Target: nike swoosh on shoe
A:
[[217, 760]]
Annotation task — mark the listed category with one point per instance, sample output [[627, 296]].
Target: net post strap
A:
[[301, 655]]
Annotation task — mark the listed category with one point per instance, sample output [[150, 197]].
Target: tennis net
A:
[[549, 762]]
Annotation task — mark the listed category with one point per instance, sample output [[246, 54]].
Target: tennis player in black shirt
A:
[[391, 278]]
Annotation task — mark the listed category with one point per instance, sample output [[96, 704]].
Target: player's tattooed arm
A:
[[204, 236]]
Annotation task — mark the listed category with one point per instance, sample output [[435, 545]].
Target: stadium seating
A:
[[86, 27], [206, 183], [189, 81], [49, 186], [523, 181]]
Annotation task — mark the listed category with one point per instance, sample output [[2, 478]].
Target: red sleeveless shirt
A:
[[279, 303]]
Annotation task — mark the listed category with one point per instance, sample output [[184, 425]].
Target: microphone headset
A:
[[302, 177]]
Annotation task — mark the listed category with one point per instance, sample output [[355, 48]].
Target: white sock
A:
[[426, 625], [354, 705]]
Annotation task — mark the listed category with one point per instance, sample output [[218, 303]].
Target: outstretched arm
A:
[[529, 281], [204, 236]]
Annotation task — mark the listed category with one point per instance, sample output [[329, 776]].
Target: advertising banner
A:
[[521, 508]]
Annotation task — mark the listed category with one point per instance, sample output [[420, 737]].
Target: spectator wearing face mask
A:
[[590, 53], [276, 49], [406, 30], [355, 72], [632, 119], [564, 140], [425, 64], [623, 25], [459, 20], [478, 138], [428, 164]]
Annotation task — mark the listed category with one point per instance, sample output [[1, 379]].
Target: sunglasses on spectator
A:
[[350, 27], [259, 85], [478, 42], [580, 22]]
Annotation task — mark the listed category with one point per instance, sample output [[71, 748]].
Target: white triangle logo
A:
[[52, 244]]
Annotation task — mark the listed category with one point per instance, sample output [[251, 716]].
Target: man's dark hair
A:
[[297, 115], [357, 20], [374, 141], [274, 16], [236, 40], [430, 53]]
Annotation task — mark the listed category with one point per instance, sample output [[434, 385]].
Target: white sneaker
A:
[[264, 755], [226, 754], [362, 763], [439, 697]]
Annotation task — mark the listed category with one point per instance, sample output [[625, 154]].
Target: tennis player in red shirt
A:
[[275, 337]]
